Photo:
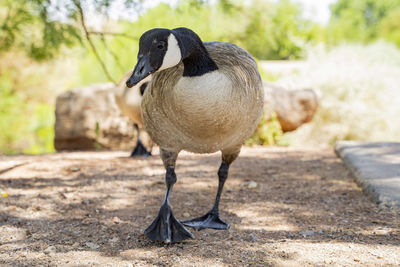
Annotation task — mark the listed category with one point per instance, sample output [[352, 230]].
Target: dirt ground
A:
[[286, 206]]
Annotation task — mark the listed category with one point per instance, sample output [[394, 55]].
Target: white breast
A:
[[206, 111], [208, 93]]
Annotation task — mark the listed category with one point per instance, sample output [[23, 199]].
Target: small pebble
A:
[[50, 249], [75, 169], [113, 240], [381, 232], [92, 245], [28, 233], [306, 233], [186, 214], [116, 220], [252, 184], [252, 237]]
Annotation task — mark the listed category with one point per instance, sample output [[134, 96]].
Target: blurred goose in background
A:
[[129, 100]]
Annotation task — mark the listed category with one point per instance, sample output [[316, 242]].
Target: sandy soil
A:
[[286, 206]]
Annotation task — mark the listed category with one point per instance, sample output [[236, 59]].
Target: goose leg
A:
[[139, 150], [211, 219], [166, 227]]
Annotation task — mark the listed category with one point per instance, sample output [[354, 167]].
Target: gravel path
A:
[[286, 206]]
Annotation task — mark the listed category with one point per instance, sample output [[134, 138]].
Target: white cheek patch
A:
[[173, 55]]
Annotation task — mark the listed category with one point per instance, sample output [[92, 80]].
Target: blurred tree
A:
[[276, 30], [389, 27], [32, 35], [42, 27], [361, 20]]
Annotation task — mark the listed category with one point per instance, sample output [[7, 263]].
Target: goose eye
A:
[[161, 45]]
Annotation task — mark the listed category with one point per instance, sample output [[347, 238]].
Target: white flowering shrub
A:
[[360, 94]]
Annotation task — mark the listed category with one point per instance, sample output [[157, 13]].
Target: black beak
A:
[[141, 71]]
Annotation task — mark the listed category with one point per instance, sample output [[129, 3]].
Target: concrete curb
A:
[[376, 168]]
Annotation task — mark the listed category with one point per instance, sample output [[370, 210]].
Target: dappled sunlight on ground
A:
[[261, 216], [286, 206]]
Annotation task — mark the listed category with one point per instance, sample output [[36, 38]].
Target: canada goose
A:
[[202, 98], [128, 100]]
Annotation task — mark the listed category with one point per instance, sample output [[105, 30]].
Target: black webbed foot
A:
[[140, 151], [166, 228], [210, 220]]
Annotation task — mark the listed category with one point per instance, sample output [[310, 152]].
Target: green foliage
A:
[[29, 26], [268, 132], [363, 20], [27, 94], [266, 29], [42, 28], [11, 122], [389, 27], [42, 128], [276, 30], [24, 126]]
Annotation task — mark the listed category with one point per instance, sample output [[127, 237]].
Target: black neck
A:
[[198, 63], [195, 57]]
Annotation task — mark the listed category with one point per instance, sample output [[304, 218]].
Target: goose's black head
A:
[[161, 49]]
